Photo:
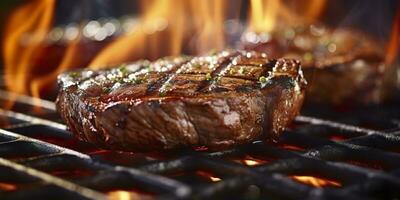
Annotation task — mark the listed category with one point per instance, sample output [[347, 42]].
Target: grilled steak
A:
[[216, 101], [343, 66]]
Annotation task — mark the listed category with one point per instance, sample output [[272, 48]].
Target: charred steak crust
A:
[[218, 100]]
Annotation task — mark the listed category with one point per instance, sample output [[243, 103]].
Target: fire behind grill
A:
[[315, 159]]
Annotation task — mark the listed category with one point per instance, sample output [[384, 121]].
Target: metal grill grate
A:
[[40, 159]]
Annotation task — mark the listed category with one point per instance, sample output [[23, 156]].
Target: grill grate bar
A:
[[339, 126], [32, 101], [85, 192], [178, 189], [32, 119], [315, 156]]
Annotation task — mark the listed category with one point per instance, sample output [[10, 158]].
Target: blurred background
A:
[[43, 38]]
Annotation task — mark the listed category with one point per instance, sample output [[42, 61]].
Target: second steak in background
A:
[[343, 66]]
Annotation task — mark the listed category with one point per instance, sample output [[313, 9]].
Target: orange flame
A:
[[142, 42], [69, 59], [207, 17], [163, 29], [394, 42], [23, 41], [266, 14], [316, 182], [251, 161], [263, 15]]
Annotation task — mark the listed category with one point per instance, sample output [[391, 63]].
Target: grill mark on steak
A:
[[164, 87], [238, 109], [155, 87], [237, 61], [204, 86], [219, 73], [269, 66]]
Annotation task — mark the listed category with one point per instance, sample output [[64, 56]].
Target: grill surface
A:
[[40, 159]]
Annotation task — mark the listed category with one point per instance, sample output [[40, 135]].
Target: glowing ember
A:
[[337, 138], [316, 182], [127, 195], [208, 175], [120, 195], [7, 187], [291, 147], [250, 161]]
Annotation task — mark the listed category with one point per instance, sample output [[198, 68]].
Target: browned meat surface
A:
[[219, 100], [342, 66]]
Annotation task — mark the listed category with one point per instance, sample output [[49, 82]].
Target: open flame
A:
[[23, 42], [266, 14], [316, 182], [394, 41], [263, 15], [201, 19], [161, 29]]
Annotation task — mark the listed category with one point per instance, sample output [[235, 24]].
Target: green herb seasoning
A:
[[262, 79], [148, 68], [162, 93], [208, 77], [74, 75], [115, 79], [106, 90], [163, 90], [242, 70], [217, 78], [145, 77], [167, 86], [289, 33], [123, 69], [197, 65], [137, 80], [308, 57]]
